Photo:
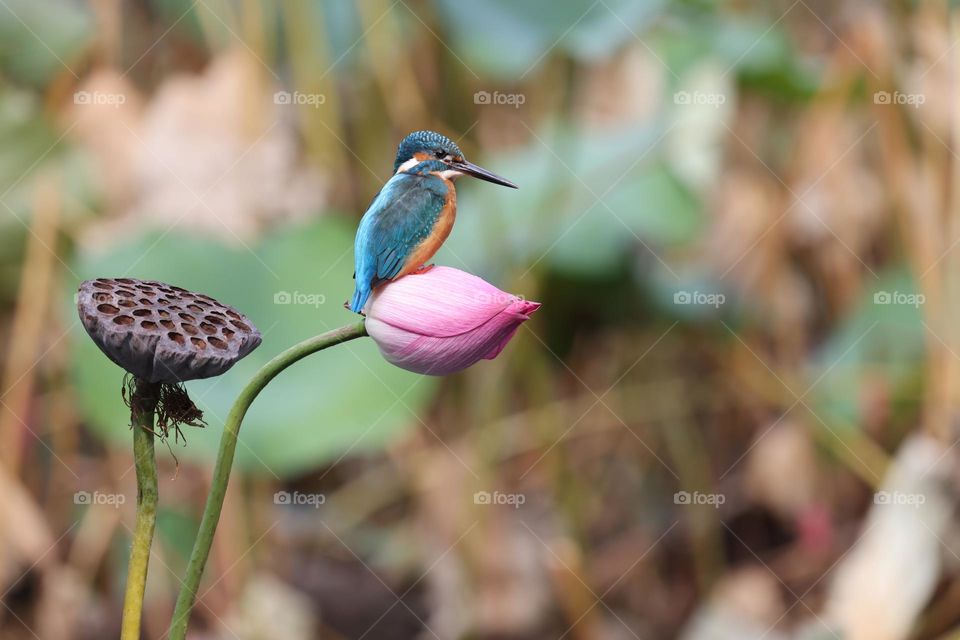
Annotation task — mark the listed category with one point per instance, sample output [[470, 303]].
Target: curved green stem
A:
[[143, 402], [221, 471]]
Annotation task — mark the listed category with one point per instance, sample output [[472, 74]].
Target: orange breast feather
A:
[[441, 229]]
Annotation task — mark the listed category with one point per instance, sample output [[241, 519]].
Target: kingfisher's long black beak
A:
[[471, 169]]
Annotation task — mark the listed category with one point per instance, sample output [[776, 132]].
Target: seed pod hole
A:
[[123, 320], [108, 308]]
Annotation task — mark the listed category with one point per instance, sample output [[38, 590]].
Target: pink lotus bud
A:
[[443, 320]]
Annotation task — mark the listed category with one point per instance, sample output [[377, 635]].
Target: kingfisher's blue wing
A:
[[401, 216]]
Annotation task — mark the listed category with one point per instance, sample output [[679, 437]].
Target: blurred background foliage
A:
[[740, 217]]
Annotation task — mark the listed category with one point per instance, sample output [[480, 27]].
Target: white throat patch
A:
[[409, 164], [450, 174]]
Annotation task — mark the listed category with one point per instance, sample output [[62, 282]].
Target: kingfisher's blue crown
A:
[[430, 142]]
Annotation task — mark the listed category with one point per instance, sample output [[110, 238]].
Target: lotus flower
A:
[[443, 320]]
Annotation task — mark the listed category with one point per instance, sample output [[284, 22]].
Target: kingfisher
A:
[[413, 213]]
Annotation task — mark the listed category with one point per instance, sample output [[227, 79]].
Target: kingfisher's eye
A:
[[439, 153]]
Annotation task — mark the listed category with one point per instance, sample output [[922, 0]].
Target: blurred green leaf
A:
[[341, 27], [182, 17], [343, 40], [758, 51], [649, 207], [40, 39], [177, 531], [583, 202], [692, 295], [508, 38], [343, 400], [29, 145], [26, 139], [881, 343]]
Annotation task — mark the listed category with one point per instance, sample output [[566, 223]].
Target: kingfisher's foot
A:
[[346, 305], [424, 268]]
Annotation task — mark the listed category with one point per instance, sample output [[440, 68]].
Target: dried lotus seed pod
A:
[[161, 333]]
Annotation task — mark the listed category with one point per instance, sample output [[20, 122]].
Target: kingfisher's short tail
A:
[[360, 295]]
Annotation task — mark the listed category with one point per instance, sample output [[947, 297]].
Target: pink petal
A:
[[441, 355], [524, 309], [439, 302]]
